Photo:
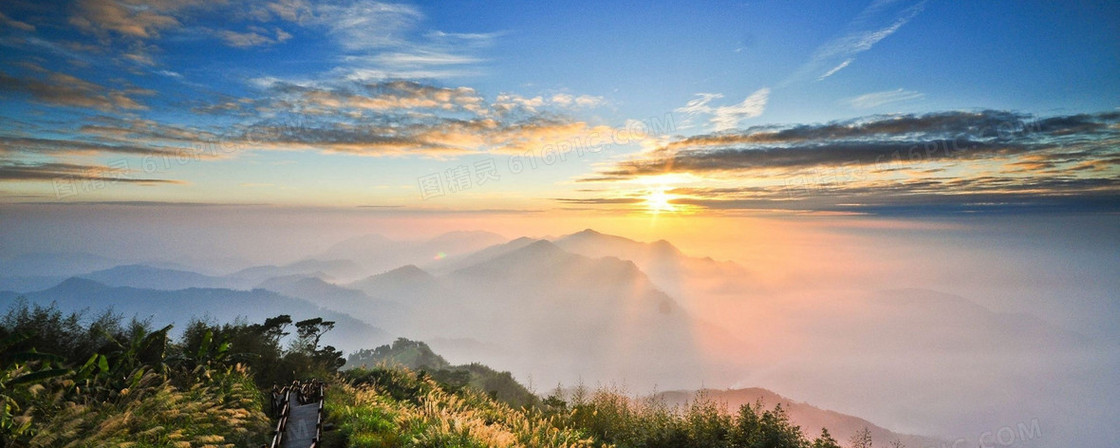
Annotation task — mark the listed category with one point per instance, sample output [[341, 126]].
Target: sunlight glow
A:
[[658, 201]]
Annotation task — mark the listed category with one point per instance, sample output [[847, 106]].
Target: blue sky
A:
[[356, 102]]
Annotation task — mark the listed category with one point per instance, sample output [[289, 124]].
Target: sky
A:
[[831, 148], [881, 107]]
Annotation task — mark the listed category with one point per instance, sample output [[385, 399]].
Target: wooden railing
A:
[[305, 393]]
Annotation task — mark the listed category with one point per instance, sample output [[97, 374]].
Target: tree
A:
[[862, 438], [825, 440], [755, 427], [308, 333]]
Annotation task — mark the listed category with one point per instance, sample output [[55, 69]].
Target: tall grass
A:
[[220, 409], [399, 408], [396, 407]]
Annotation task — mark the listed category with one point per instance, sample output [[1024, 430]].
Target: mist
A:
[[949, 327]]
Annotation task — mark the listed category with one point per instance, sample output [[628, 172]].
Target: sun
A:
[[657, 201]]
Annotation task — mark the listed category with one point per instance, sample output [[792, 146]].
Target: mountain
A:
[[337, 298], [810, 418], [460, 261], [144, 276], [376, 253], [170, 278], [180, 306], [334, 268], [60, 264], [690, 279], [406, 284], [599, 319], [29, 283]]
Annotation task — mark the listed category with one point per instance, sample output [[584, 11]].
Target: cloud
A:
[[359, 26], [699, 105], [61, 89], [395, 118], [875, 23], [422, 58], [581, 101], [889, 161], [429, 137], [74, 147], [728, 117], [388, 118], [255, 37], [12, 23], [384, 41], [375, 96], [138, 19], [876, 99], [511, 102], [24, 172], [835, 69], [723, 118]]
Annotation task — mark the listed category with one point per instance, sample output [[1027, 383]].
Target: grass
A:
[[400, 408], [221, 409], [396, 407]]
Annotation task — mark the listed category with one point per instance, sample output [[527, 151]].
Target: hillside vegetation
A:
[[69, 380]]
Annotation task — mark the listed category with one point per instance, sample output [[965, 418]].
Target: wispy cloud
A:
[[722, 118], [398, 118], [835, 69], [22, 172], [876, 99], [512, 102], [422, 58], [131, 19], [12, 23], [255, 37], [79, 147], [728, 117], [875, 23], [67, 90], [360, 26]]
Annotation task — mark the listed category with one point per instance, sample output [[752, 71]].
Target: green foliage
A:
[[413, 355], [825, 440], [416, 355], [397, 407], [612, 417], [221, 407], [49, 330], [111, 384], [260, 347]]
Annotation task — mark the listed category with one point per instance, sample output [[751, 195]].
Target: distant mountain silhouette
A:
[[376, 253], [374, 310], [180, 306], [596, 318], [29, 283], [334, 268], [143, 276], [58, 264], [488, 253], [679, 275], [404, 282]]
